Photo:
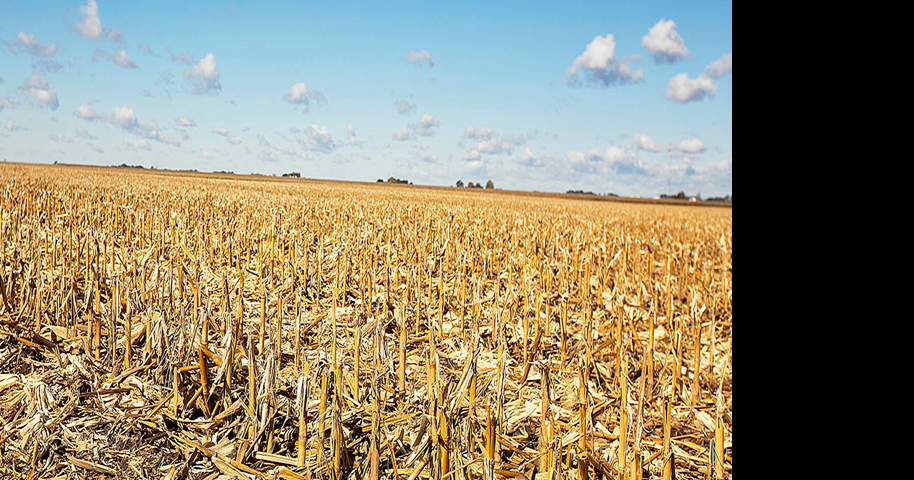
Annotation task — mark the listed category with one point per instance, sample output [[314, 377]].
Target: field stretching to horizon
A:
[[158, 325]]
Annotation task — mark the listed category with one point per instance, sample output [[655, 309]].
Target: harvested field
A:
[[158, 325]]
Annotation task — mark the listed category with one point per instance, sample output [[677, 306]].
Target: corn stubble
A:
[[156, 325]]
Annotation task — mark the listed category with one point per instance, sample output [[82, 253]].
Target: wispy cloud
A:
[[117, 57]]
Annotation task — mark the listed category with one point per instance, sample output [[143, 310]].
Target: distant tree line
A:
[[395, 180], [489, 185], [682, 196], [292, 174]]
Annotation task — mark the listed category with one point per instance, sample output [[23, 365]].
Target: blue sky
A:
[[608, 97]]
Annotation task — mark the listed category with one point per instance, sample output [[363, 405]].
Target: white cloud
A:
[[186, 121], [206, 155], [485, 141], [299, 94], [683, 89], [26, 42], [599, 65], [124, 117], [352, 140], [117, 57], [664, 43], [91, 26], [86, 112], [614, 160], [425, 128], [427, 125], [419, 58], [644, 142], [220, 131], [693, 145], [233, 140], [720, 67], [319, 139], [42, 93], [403, 134], [205, 75], [14, 127], [139, 144], [529, 159], [405, 107]]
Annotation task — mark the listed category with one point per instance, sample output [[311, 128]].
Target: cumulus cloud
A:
[[529, 159], [615, 159], [220, 131], [403, 134], [664, 43], [644, 142], [117, 57], [318, 139], [86, 112], [720, 67], [693, 145], [405, 107], [598, 66], [299, 94], [185, 121], [26, 42], [12, 127], [124, 117], [683, 89], [233, 140], [205, 76], [91, 26], [427, 127], [419, 58], [352, 140], [42, 94]]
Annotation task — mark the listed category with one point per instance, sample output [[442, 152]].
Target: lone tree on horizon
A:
[[490, 185], [459, 183]]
